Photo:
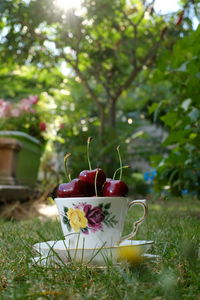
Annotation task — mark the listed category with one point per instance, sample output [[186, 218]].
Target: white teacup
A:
[[95, 222]]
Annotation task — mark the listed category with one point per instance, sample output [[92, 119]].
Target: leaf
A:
[[110, 222], [192, 136], [65, 209], [67, 223], [186, 103], [177, 137], [106, 222], [153, 107], [84, 230], [170, 119], [183, 67], [106, 213], [65, 220], [194, 115], [198, 75], [107, 206], [69, 227]]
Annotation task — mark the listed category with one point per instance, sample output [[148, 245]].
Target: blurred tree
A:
[[179, 169], [17, 82], [109, 45]]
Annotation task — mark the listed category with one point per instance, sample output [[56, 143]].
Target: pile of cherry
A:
[[84, 186], [93, 182]]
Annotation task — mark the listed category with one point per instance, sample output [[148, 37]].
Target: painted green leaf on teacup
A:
[[106, 213], [110, 221], [107, 206], [66, 222], [84, 230], [65, 210]]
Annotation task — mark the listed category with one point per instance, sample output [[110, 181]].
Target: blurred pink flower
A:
[[15, 112], [33, 99], [22, 115], [5, 108], [25, 105]]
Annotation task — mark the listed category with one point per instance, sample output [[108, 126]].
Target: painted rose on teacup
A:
[[94, 215], [87, 218]]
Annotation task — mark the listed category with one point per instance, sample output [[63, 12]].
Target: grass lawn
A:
[[173, 225]]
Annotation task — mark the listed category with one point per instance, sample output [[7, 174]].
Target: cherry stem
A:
[[120, 163], [88, 151], [124, 167], [66, 167], [95, 183]]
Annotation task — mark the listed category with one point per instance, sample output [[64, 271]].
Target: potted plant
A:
[[22, 141]]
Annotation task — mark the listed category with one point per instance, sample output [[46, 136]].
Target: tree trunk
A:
[[102, 123], [112, 113]]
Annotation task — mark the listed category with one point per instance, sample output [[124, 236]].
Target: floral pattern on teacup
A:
[[86, 218]]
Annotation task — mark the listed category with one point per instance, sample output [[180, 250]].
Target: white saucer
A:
[[58, 250], [43, 260]]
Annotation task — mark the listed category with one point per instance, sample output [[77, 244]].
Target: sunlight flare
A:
[[68, 4]]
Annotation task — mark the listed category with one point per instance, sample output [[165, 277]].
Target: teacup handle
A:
[[136, 224]]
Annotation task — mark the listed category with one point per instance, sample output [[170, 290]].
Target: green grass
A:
[[175, 228]]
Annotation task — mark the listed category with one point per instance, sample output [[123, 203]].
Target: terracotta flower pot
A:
[[20, 156], [9, 149]]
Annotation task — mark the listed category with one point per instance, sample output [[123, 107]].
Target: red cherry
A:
[[115, 188], [89, 177], [74, 188]]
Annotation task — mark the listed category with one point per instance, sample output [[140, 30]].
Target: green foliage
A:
[[108, 51], [180, 167], [18, 82], [69, 116], [137, 184], [108, 46]]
